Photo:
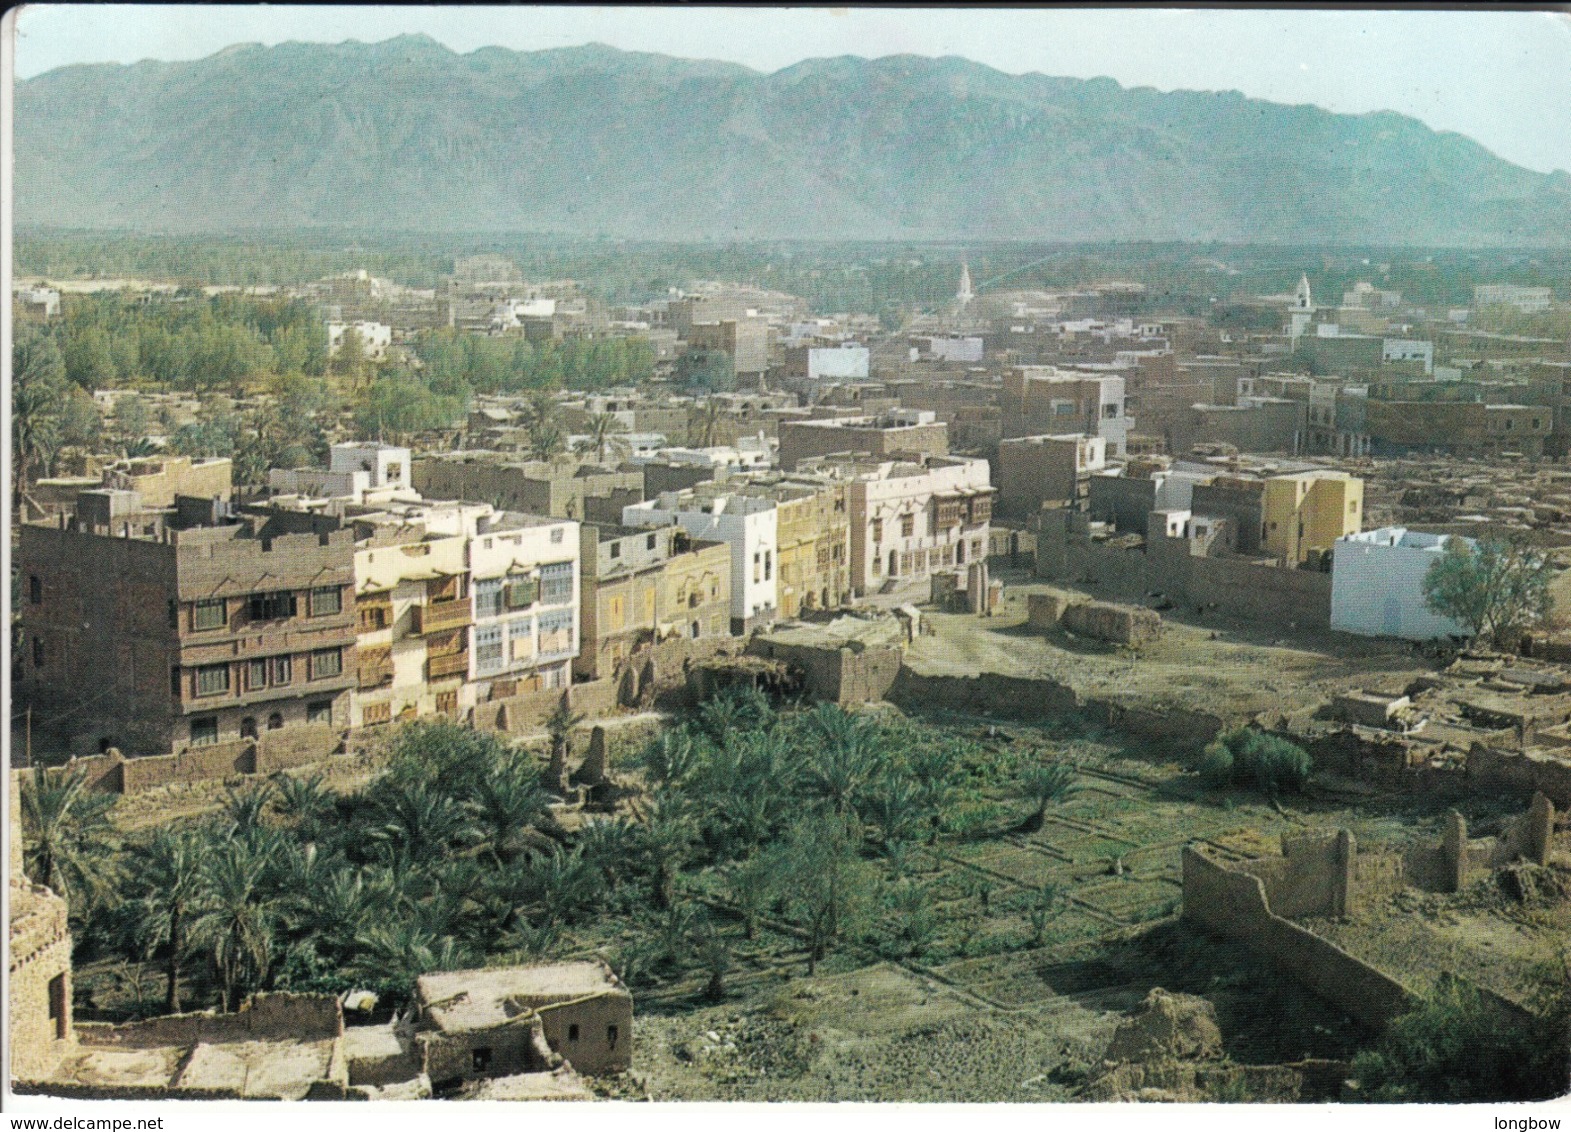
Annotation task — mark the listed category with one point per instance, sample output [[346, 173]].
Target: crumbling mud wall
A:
[[1230, 902], [113, 773], [847, 675], [988, 693], [1105, 621], [1527, 772], [265, 1017]]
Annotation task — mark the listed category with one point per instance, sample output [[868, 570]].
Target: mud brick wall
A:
[[1544, 774], [294, 746], [595, 699], [70, 1090], [277, 1017], [518, 714], [1233, 904], [40, 952], [220, 760], [843, 676], [1313, 877], [989, 693], [1104, 621]]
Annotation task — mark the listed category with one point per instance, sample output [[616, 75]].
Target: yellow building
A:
[[696, 589], [813, 539], [1309, 511]]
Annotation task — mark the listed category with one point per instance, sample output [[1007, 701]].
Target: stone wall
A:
[[272, 751], [1230, 902], [1105, 621]]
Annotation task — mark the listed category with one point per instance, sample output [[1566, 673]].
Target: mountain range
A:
[[406, 135]]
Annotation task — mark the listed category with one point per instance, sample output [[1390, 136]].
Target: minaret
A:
[[965, 294], [1303, 301]]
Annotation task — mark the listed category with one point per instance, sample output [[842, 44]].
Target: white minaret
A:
[[965, 294], [1303, 301]]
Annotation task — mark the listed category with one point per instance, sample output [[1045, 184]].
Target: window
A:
[[616, 613], [282, 669], [35, 589], [255, 675], [373, 617], [616, 550], [522, 591], [57, 1007], [480, 1058], [907, 526], [395, 471], [556, 633], [212, 680], [758, 567], [488, 649], [769, 564], [271, 607], [248, 727], [556, 534], [209, 614], [326, 600], [572, 1031], [556, 583], [488, 597], [38, 652], [878, 530], [319, 712], [204, 731], [610, 1036], [521, 639], [275, 722], [326, 663], [649, 543]]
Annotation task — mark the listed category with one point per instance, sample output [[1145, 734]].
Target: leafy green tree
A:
[[236, 918], [1495, 588], [825, 886], [38, 390], [68, 838], [89, 359], [1459, 1047], [1042, 784], [167, 872], [132, 419], [81, 422]]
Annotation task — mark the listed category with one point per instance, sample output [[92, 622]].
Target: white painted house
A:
[[1377, 585], [747, 524]]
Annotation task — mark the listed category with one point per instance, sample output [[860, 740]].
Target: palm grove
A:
[[273, 353], [809, 821]]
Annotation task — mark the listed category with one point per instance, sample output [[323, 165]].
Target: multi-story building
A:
[[152, 632], [1309, 511], [1046, 400], [1528, 300], [413, 614], [911, 433], [910, 519], [747, 524], [357, 472], [533, 486], [1033, 470], [628, 597], [1377, 585], [745, 339], [525, 598], [813, 540]]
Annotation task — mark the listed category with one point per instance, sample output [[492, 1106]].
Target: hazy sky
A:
[[1503, 78]]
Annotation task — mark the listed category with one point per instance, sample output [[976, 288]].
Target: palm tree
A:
[[565, 884], [37, 404], [704, 420], [672, 759], [509, 800], [421, 823], [559, 726], [68, 835], [1043, 784], [713, 953], [603, 428], [546, 442], [845, 758], [168, 869], [396, 954], [307, 801], [1046, 900], [667, 838], [236, 920], [750, 886], [896, 808], [246, 806], [608, 844]]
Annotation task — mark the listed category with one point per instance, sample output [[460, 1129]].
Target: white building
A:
[[358, 473], [910, 519], [1528, 300], [525, 589], [749, 525], [955, 348], [375, 337], [1377, 585], [1409, 350], [848, 362]]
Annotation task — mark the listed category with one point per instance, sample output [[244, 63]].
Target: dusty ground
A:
[[1200, 663]]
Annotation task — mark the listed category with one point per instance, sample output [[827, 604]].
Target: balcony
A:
[[453, 664], [375, 675], [441, 616]]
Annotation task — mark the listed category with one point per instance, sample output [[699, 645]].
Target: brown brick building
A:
[[157, 632]]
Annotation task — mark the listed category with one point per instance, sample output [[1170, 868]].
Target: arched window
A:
[[275, 721]]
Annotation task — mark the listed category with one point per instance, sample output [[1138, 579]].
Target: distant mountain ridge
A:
[[408, 135]]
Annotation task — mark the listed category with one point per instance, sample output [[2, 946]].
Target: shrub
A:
[[1248, 757]]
